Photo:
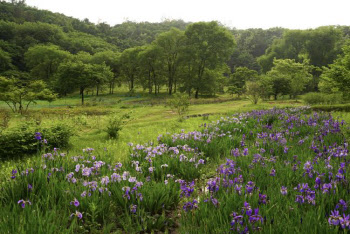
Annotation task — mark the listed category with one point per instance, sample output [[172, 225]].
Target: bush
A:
[[329, 108], [179, 103], [313, 98], [116, 124], [20, 141], [58, 135], [254, 91], [335, 98], [322, 98]]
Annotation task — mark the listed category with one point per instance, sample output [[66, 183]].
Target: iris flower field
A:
[[268, 171]]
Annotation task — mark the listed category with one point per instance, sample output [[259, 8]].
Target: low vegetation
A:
[[239, 173]]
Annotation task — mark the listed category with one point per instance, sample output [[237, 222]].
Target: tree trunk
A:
[[149, 83], [20, 108], [82, 96], [197, 92], [275, 96], [170, 87], [97, 89], [131, 84]]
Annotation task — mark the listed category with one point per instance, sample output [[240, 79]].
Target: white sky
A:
[[242, 14]]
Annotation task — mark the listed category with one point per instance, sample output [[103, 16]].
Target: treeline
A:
[[67, 54]]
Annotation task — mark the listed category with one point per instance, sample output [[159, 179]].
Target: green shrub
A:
[[58, 135], [179, 103], [328, 108], [314, 98], [322, 98], [20, 141], [116, 124], [335, 98]]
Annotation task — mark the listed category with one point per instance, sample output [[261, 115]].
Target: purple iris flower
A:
[[75, 202], [14, 172], [273, 172], [133, 208], [38, 136], [190, 205], [284, 190], [77, 214], [262, 198], [23, 203], [334, 218]]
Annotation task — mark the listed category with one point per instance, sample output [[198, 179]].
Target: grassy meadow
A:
[[228, 167]]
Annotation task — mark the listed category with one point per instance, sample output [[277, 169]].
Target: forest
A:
[[65, 55]]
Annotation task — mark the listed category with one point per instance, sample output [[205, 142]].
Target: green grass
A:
[[161, 209], [148, 121]]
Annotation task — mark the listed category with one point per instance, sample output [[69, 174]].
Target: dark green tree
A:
[[208, 46], [170, 45], [111, 59], [72, 75], [239, 78], [43, 60], [130, 66]]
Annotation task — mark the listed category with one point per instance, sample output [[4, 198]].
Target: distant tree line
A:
[[68, 55]]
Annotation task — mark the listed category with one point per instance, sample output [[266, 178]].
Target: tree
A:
[[72, 75], [239, 78], [207, 46], [130, 66], [111, 59], [29, 34], [179, 103], [321, 45], [254, 91], [43, 60], [101, 74], [336, 78], [83, 56], [5, 61], [171, 43], [241, 58], [289, 77], [19, 94], [152, 64]]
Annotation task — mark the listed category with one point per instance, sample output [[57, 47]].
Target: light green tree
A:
[[239, 78], [289, 77], [336, 78], [19, 94]]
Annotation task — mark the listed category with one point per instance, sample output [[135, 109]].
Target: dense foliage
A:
[[198, 58], [25, 140]]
